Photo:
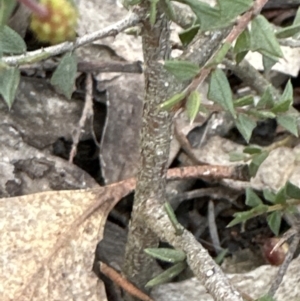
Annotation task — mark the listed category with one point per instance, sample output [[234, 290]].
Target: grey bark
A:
[[155, 143]]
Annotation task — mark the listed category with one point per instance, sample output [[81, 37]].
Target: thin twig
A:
[[33, 56], [216, 172], [213, 227], [87, 113], [123, 282]]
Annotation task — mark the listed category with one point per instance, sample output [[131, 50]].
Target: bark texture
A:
[[155, 142]]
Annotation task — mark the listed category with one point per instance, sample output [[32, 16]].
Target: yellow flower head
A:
[[59, 24]]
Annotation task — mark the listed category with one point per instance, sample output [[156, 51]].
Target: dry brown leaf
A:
[[48, 242]]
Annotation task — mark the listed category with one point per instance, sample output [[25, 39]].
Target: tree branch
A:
[[200, 262], [34, 56]]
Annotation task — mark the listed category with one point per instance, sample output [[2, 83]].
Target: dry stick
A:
[[217, 172], [213, 227], [33, 56], [123, 282], [283, 268], [87, 113]]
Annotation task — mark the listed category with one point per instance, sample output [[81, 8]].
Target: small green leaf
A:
[[274, 222], [11, 41], [128, 3], [269, 196], [169, 9], [252, 150], [269, 62], [207, 16], [153, 10], [246, 215], [240, 56], [288, 92], [193, 105], [63, 78], [187, 36], [167, 275], [170, 212], [219, 56], [220, 92], [280, 197], [230, 9], [292, 191], [219, 259], [256, 162], [252, 198], [266, 100], [236, 156], [297, 17], [7, 7], [243, 101], [182, 70], [261, 114], [243, 42], [266, 298], [282, 106], [288, 31], [263, 38], [9, 82], [171, 102], [166, 254], [245, 125], [289, 122]]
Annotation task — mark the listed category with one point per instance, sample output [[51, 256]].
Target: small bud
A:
[[59, 24], [277, 256]]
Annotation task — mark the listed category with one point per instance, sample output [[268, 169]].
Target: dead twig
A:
[[123, 282], [87, 113]]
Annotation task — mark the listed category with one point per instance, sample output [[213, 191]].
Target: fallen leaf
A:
[[48, 242]]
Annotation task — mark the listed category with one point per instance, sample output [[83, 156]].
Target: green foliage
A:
[[245, 125], [220, 55], [246, 215], [177, 226], [257, 160], [7, 7], [193, 105], [266, 101], [265, 298], [230, 9], [251, 149], [220, 91], [281, 202], [167, 275], [243, 42], [252, 198], [292, 191], [11, 42], [9, 81], [182, 70], [263, 38], [166, 254], [289, 122], [188, 35], [171, 102], [153, 10], [274, 222], [219, 16], [243, 101], [63, 78]]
